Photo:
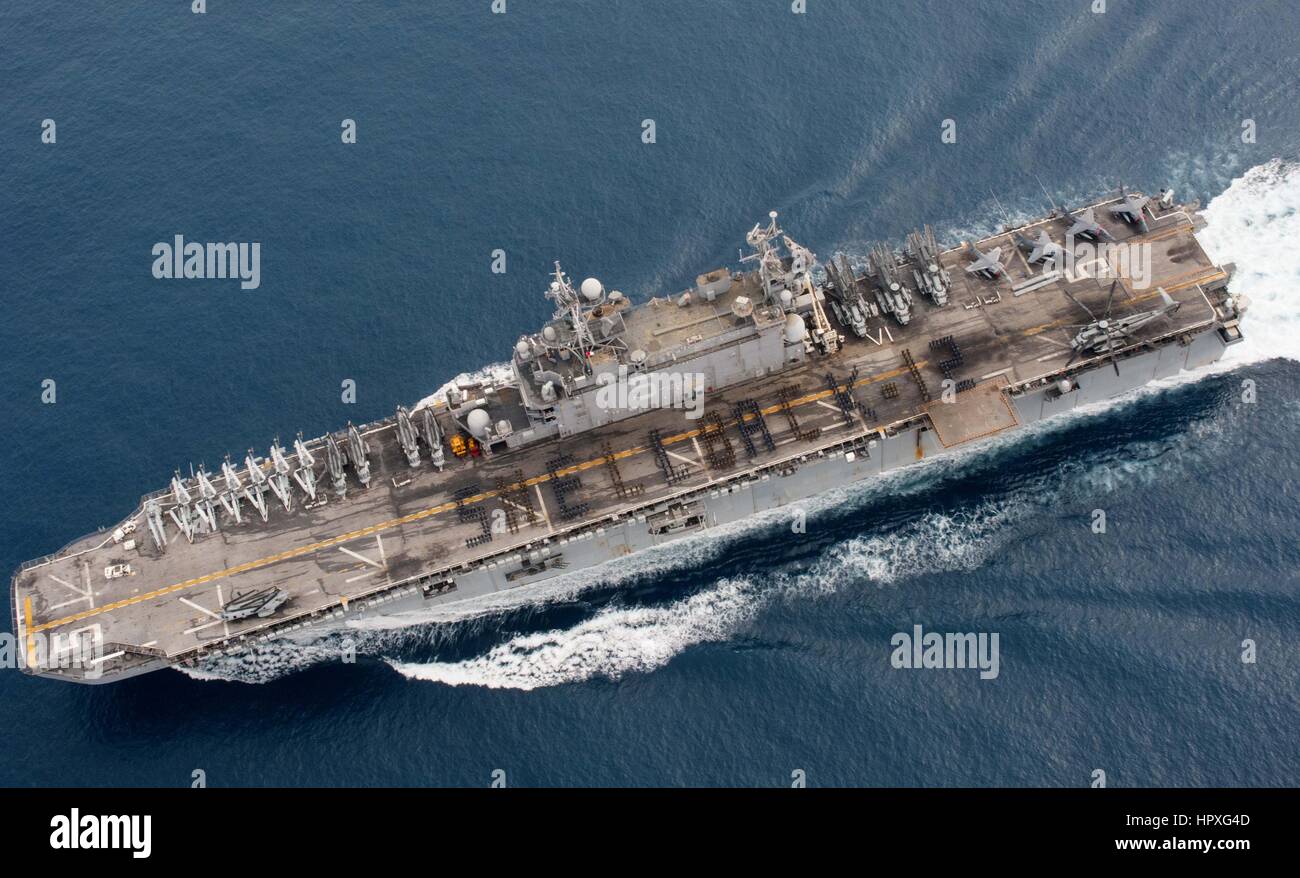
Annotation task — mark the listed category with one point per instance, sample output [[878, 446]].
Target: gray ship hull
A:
[[558, 482]]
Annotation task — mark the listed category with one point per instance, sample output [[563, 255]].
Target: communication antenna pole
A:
[[1006, 217], [1050, 199]]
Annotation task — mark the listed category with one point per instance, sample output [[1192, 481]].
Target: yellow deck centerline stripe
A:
[[31, 641]]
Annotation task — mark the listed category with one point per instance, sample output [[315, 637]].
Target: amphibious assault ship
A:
[[619, 427]]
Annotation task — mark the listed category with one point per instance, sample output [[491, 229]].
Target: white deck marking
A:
[[546, 516], [360, 557], [683, 458], [85, 595], [66, 584], [204, 610], [365, 575], [379, 541], [508, 502], [1005, 371], [217, 620]]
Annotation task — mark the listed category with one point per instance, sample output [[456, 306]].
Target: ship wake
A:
[[621, 640]]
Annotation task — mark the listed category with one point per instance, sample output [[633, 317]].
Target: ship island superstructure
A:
[[622, 426]]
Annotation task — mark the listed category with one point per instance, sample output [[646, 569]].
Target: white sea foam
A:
[[495, 373], [614, 642], [264, 662], [1254, 223]]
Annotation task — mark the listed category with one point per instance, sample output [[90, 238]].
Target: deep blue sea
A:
[[737, 659]]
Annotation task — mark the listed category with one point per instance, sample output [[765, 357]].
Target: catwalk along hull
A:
[[791, 409]]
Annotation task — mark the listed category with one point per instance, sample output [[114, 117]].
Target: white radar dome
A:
[[794, 329], [592, 289], [478, 421]]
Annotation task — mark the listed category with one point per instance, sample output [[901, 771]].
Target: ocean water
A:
[[736, 659]]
